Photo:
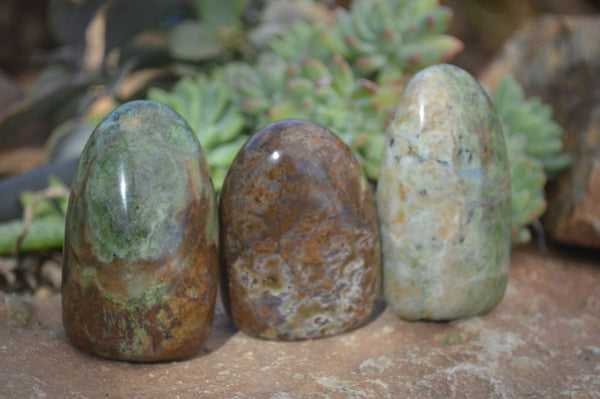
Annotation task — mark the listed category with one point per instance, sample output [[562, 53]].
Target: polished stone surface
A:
[[141, 258], [443, 200], [299, 235]]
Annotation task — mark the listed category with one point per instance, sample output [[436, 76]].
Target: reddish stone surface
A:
[[542, 341], [299, 235]]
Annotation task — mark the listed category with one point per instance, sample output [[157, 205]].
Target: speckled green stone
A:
[[443, 199], [141, 256]]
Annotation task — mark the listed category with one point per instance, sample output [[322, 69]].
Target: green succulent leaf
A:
[[532, 120], [404, 36], [257, 88], [208, 105], [534, 150], [301, 40], [327, 92], [375, 35], [45, 227], [319, 71], [43, 233]]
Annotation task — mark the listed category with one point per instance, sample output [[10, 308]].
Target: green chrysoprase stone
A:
[[299, 235], [140, 268], [443, 200]]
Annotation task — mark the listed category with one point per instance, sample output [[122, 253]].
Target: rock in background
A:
[[558, 59]]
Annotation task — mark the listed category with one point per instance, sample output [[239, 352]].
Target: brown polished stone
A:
[[299, 235]]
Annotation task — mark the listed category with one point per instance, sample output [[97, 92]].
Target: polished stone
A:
[[141, 252], [443, 199], [299, 235]]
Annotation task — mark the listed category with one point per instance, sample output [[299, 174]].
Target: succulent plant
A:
[[207, 105], [300, 41], [318, 71], [527, 190], [329, 94], [345, 70], [256, 87], [386, 37], [535, 149], [43, 223], [530, 121]]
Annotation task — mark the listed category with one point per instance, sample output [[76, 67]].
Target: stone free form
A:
[[299, 235], [140, 256], [443, 200]]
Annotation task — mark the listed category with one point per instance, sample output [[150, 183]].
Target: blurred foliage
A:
[[229, 67], [43, 224], [207, 106], [535, 148], [344, 70]]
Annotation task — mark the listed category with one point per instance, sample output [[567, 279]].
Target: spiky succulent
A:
[[391, 36], [208, 107], [328, 94], [319, 71], [535, 149], [377, 37], [530, 121]]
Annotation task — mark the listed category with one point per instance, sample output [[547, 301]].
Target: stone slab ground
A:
[[542, 341]]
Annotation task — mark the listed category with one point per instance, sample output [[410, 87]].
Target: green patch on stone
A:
[[87, 276], [133, 198]]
